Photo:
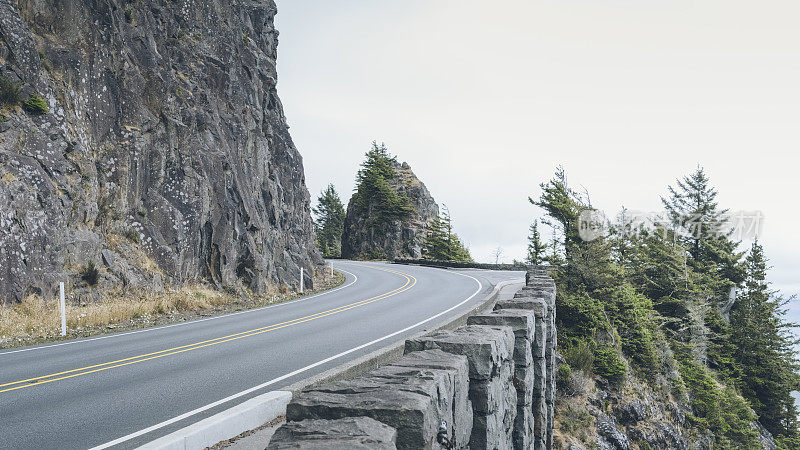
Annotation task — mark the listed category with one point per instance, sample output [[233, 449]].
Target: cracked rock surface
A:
[[163, 156]]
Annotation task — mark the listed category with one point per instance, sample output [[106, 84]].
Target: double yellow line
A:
[[37, 381]]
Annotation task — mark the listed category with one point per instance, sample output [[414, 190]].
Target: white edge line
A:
[[128, 333], [288, 375]]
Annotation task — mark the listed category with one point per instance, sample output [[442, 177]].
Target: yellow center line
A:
[[210, 340], [410, 282]]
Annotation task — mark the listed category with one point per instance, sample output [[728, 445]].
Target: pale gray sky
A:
[[485, 99]]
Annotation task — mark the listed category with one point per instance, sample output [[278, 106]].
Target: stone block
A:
[[412, 400], [341, 434], [485, 347]]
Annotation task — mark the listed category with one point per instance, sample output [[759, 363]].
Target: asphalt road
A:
[[125, 389]]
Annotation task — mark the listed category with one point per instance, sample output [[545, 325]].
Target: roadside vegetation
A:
[[329, 223], [442, 244], [35, 320], [650, 311]]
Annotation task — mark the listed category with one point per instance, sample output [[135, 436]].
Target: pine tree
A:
[[374, 196], [441, 243], [536, 249], [699, 224], [693, 209], [330, 222], [589, 264], [763, 350]]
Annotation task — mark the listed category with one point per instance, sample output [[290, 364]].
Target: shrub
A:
[[580, 357], [719, 409], [9, 91], [35, 104], [132, 235], [631, 316], [45, 63], [90, 274], [579, 317], [562, 375], [609, 365]]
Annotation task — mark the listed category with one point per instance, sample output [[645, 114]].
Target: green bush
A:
[[562, 375], [580, 356], [609, 365], [9, 91], [35, 104], [719, 409], [631, 314], [579, 318]]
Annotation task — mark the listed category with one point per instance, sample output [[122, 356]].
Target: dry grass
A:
[[36, 320]]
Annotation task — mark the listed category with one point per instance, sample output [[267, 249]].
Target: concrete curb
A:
[[393, 351], [229, 423]]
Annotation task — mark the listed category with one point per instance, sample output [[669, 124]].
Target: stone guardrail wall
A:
[[487, 385], [464, 265]]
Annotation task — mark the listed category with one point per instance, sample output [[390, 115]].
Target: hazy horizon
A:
[[484, 103]]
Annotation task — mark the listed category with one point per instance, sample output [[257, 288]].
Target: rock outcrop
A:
[[163, 153], [401, 238]]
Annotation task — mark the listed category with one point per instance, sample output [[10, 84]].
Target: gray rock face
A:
[[413, 399], [164, 153], [402, 239], [607, 428], [630, 413], [342, 434], [663, 436]]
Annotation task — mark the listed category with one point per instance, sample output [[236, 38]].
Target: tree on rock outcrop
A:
[[442, 244], [330, 222], [374, 195], [389, 212]]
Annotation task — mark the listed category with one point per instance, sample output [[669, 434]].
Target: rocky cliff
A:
[[400, 238], [161, 153]]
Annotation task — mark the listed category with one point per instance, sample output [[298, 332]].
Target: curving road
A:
[[123, 390]]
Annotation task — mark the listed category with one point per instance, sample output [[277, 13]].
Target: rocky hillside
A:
[[395, 238], [159, 151]]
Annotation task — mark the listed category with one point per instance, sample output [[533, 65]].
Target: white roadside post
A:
[[331, 269], [63, 310], [301, 280]]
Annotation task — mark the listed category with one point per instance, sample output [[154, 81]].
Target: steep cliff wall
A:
[[164, 153], [398, 239]]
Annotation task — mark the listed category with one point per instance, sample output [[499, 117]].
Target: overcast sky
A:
[[484, 100]]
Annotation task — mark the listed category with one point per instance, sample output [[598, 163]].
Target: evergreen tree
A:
[[536, 249], [698, 220], [374, 196], [763, 350], [441, 243], [693, 209], [588, 264], [554, 257], [330, 222]]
